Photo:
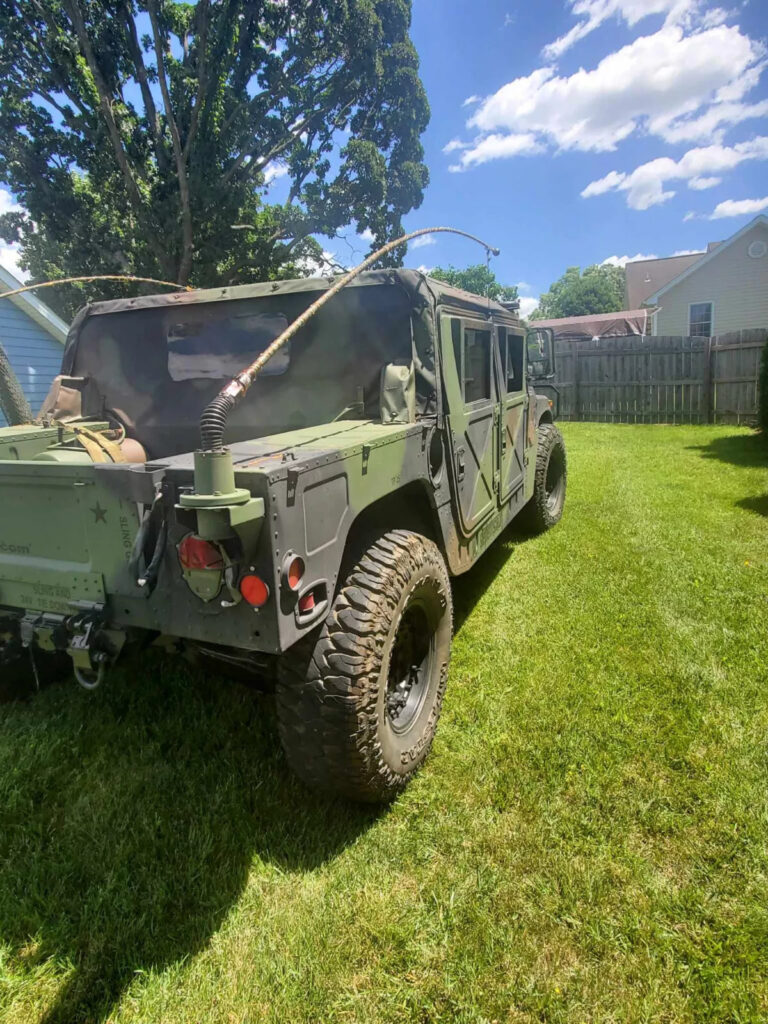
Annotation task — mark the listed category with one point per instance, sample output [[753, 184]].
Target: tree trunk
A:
[[13, 401]]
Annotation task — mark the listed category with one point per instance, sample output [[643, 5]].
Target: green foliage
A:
[[585, 843], [763, 385], [600, 289], [136, 133], [478, 279]]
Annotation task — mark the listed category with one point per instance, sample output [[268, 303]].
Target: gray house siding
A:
[[33, 353]]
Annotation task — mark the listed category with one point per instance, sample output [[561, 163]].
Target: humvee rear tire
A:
[[546, 506], [358, 700]]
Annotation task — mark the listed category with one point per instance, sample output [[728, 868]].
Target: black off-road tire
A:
[[545, 508], [345, 726]]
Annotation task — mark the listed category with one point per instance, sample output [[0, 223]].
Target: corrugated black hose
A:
[[213, 422]]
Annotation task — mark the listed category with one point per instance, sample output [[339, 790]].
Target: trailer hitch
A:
[[88, 665]]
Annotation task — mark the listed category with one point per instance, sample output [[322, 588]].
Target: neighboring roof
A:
[[599, 325], [412, 281], [33, 307], [711, 255], [644, 277]]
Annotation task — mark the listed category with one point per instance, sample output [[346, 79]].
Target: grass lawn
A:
[[588, 840]]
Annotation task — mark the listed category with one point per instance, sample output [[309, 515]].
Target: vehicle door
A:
[[472, 415], [513, 402]]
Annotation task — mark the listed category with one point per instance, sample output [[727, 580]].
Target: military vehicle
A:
[[380, 452]]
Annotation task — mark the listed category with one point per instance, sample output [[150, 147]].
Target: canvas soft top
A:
[[117, 354], [419, 286]]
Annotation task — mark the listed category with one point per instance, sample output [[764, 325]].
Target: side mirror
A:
[[541, 352]]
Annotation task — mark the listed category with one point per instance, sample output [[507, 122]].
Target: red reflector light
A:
[[307, 603], [254, 590], [295, 573], [196, 553]]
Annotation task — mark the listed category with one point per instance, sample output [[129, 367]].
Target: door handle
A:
[[460, 465]]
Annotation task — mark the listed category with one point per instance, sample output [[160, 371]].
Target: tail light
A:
[[293, 571], [196, 553], [254, 590]]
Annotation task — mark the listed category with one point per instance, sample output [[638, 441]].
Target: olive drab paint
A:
[[404, 404]]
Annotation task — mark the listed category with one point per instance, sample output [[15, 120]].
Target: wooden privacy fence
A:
[[661, 380]]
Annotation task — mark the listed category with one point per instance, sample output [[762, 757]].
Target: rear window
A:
[[218, 349]]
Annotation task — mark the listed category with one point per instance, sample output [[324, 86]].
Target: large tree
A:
[[600, 289], [478, 279], [136, 133]]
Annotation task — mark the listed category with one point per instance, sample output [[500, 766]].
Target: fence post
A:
[[576, 378], [709, 377]]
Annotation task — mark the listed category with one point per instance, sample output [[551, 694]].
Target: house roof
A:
[[645, 277], [33, 307], [710, 255], [598, 325]]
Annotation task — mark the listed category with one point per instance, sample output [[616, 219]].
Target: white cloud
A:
[[594, 12], [738, 208], [454, 144], [699, 184], [274, 171], [687, 252], [622, 261], [422, 241], [645, 186], [470, 100], [7, 203], [9, 254], [327, 263], [612, 180], [527, 305], [9, 259], [674, 84], [523, 286], [494, 146], [366, 236]]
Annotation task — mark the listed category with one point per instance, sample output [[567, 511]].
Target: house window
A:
[[700, 320]]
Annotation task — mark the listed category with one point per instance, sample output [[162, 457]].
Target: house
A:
[[599, 325], [33, 338], [644, 277], [719, 291]]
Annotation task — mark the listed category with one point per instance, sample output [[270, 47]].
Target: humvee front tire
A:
[[545, 508], [359, 699]]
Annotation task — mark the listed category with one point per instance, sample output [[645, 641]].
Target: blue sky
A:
[[685, 90], [569, 132]]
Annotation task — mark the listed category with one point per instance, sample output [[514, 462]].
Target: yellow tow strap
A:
[[100, 448]]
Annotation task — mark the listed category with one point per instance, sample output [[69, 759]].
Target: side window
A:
[[477, 365], [700, 320], [514, 363]]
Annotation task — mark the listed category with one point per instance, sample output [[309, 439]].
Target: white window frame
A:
[[702, 302]]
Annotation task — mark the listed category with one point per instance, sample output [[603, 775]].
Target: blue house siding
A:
[[34, 354]]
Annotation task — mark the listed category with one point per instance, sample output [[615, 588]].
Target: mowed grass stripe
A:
[[587, 841]]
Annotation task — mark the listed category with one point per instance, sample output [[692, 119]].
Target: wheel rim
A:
[[410, 667], [553, 484]]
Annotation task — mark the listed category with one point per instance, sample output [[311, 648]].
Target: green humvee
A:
[[381, 451]]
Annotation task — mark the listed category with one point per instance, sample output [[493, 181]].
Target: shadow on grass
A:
[[130, 818], [737, 449], [470, 587], [758, 505]]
